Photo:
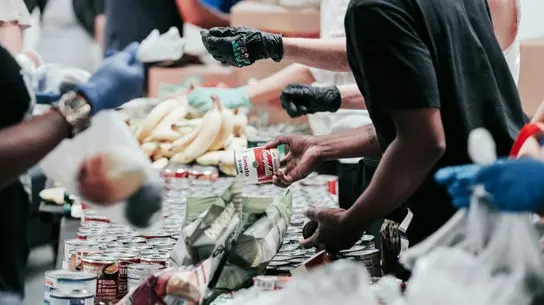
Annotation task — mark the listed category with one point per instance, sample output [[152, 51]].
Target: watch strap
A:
[[75, 110]]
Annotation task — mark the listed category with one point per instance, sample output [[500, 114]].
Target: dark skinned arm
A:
[[194, 12], [352, 143], [402, 165], [25, 144]]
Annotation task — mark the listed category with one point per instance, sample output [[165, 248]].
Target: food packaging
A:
[[107, 132]]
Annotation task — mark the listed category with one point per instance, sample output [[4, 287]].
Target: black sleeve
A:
[[397, 67], [14, 96], [86, 12]]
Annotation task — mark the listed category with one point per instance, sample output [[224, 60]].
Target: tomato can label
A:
[[258, 165], [107, 272], [67, 281]]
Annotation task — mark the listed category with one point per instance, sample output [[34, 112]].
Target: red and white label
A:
[[257, 165]]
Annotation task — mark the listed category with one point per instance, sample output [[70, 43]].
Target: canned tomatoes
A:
[[73, 297], [71, 245], [124, 260], [106, 269], [258, 165], [67, 281], [158, 259]]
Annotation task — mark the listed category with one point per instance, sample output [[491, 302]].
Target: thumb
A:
[[311, 213], [132, 50]]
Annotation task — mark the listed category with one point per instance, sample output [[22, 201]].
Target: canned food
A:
[[72, 245], [138, 240], [68, 280], [175, 171], [155, 235], [142, 271], [258, 141], [102, 239], [148, 252], [74, 260], [370, 258], [96, 218], [106, 269], [140, 246], [73, 297], [158, 259], [258, 165], [124, 260], [204, 173], [112, 245], [161, 241], [268, 283]]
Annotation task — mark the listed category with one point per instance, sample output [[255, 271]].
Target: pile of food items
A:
[[174, 133]]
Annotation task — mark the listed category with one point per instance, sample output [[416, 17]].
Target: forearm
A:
[[271, 87], [194, 12], [401, 167], [351, 97], [25, 144], [11, 36], [326, 54], [353, 143]]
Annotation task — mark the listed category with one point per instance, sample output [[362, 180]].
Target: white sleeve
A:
[[15, 11]]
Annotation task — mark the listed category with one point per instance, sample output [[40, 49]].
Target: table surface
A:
[[68, 230], [51, 208]]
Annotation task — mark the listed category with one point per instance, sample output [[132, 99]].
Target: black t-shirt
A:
[[132, 20], [410, 54], [14, 104]]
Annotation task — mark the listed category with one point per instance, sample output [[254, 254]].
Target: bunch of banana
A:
[[174, 133]]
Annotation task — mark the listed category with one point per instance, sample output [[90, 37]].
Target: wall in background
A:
[[532, 19]]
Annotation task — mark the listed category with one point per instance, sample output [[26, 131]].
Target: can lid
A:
[[70, 275], [72, 294]]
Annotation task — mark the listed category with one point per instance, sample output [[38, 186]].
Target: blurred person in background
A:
[[67, 32], [206, 13], [14, 18], [305, 155], [23, 143]]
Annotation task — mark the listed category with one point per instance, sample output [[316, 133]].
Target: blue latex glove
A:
[[46, 98], [201, 99], [513, 185], [119, 79]]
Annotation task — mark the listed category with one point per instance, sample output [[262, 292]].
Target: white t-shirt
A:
[[332, 25], [14, 11]]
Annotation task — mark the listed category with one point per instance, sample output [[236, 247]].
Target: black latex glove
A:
[[300, 100], [242, 46]]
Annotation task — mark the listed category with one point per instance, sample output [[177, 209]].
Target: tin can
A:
[[67, 280], [72, 245], [204, 173], [74, 258], [269, 283], [142, 271], [156, 235], [72, 297], [332, 188], [106, 269], [157, 259], [175, 171], [102, 239], [258, 165], [140, 247], [148, 252], [370, 258], [96, 218], [124, 260], [258, 141]]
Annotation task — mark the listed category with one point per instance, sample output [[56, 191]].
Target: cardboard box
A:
[[275, 19], [209, 75], [531, 79]]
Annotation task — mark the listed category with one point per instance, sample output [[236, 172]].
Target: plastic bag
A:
[[58, 79], [106, 133], [156, 47]]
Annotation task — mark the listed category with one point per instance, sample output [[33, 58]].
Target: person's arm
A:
[[25, 144], [11, 36], [326, 53], [401, 80], [504, 15], [352, 143], [351, 97], [271, 87], [194, 12]]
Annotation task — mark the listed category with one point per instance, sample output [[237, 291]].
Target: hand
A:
[[459, 180], [302, 158], [242, 46], [118, 80], [513, 185], [333, 233], [200, 98], [300, 100]]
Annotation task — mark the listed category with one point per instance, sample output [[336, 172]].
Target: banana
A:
[[229, 170], [160, 164], [182, 143], [216, 157], [165, 149], [207, 132], [164, 131], [227, 126], [150, 148], [154, 118], [240, 123]]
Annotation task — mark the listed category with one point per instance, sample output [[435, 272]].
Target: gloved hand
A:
[[201, 99], [242, 46], [300, 100], [119, 79], [513, 185]]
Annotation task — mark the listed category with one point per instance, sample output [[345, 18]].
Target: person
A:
[[14, 18], [206, 13], [70, 24], [25, 143], [334, 88], [422, 76]]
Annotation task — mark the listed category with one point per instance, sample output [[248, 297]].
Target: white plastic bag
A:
[[106, 133], [156, 47]]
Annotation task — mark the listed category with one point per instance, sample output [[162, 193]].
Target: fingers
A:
[[132, 50], [310, 242], [278, 141], [286, 160], [302, 169]]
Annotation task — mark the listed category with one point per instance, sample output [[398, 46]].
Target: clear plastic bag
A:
[[157, 48], [106, 133]]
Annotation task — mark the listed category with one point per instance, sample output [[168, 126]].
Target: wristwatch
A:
[[75, 110]]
